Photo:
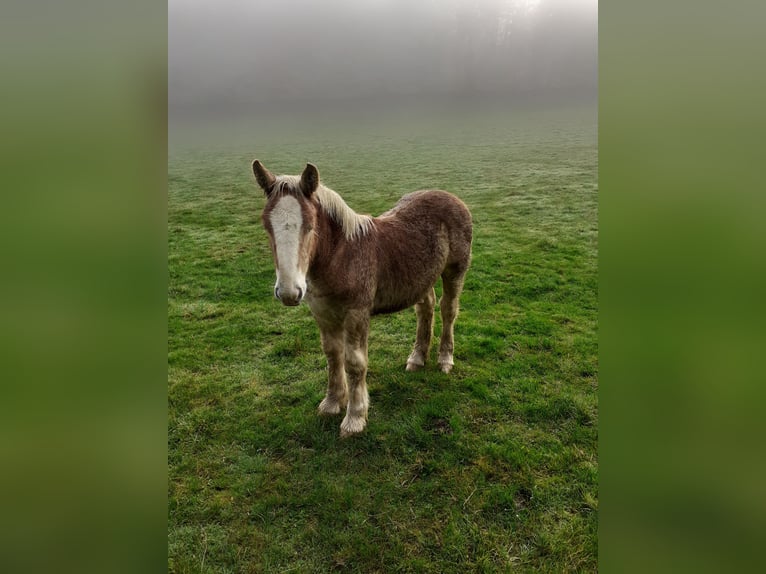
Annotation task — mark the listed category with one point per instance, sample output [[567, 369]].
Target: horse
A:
[[349, 266]]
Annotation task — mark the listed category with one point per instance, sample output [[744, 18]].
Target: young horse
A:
[[349, 266]]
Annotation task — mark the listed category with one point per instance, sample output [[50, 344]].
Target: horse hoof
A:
[[328, 407], [351, 426], [414, 366], [445, 367]]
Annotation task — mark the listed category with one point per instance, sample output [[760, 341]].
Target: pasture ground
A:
[[492, 468]]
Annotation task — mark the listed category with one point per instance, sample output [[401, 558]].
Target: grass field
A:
[[490, 469]]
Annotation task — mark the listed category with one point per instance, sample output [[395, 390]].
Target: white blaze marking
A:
[[286, 221]]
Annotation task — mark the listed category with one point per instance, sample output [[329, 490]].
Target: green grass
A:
[[492, 468]]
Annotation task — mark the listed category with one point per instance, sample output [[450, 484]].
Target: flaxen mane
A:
[[352, 223]]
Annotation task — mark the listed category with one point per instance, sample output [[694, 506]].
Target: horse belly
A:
[[404, 280], [393, 302]]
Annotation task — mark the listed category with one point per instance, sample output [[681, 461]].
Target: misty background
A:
[[235, 57]]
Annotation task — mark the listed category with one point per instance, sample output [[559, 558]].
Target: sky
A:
[[237, 53]]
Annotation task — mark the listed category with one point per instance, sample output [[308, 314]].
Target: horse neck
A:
[[330, 239]]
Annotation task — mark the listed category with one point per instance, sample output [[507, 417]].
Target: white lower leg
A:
[[355, 420], [416, 360], [330, 406], [446, 362]]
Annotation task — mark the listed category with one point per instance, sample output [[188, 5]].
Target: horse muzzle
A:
[[289, 297]]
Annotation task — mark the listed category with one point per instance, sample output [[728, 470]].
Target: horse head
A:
[[290, 218]]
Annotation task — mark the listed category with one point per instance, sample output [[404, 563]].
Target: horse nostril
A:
[[300, 294], [276, 292]]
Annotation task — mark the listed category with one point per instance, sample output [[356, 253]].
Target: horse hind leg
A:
[[452, 282], [425, 314]]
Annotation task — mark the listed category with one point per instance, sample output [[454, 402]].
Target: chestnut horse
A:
[[350, 266]]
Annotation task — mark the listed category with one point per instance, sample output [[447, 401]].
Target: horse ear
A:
[[309, 179], [263, 176]]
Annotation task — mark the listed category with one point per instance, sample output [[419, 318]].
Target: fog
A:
[[232, 56]]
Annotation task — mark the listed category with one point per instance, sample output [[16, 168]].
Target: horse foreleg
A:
[[337, 389], [357, 327], [425, 314]]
